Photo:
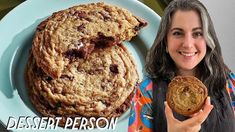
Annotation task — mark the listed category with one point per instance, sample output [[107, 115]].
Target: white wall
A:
[[222, 13]]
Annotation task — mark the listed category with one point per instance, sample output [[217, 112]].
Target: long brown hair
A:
[[159, 64]]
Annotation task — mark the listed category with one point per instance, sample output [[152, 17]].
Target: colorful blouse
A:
[[140, 119]]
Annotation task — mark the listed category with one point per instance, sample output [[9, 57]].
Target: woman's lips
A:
[[187, 54]]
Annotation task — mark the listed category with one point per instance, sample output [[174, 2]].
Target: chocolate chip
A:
[[114, 68], [120, 110], [57, 105], [105, 15], [141, 25], [137, 28], [88, 19], [186, 89], [48, 78], [80, 14], [106, 102], [80, 27], [108, 9], [38, 71], [74, 53], [103, 41], [81, 51], [67, 77]]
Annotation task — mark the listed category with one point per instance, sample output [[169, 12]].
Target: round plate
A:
[[17, 31]]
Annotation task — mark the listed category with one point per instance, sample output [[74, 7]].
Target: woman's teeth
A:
[[187, 54]]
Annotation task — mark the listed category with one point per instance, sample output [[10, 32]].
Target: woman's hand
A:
[[192, 124]]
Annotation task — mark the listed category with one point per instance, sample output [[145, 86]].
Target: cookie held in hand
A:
[[186, 95]]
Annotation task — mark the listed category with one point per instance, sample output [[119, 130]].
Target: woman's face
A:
[[185, 41]]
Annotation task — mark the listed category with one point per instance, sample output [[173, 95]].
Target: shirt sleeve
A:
[[231, 88], [140, 119]]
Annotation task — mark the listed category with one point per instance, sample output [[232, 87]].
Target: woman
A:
[[186, 44]]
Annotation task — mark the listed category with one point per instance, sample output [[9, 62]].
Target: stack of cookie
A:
[[78, 66]]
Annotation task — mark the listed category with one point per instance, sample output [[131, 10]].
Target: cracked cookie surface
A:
[[75, 32], [186, 95], [96, 86]]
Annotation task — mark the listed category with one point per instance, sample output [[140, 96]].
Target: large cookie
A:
[[42, 105], [186, 95], [73, 33], [95, 86]]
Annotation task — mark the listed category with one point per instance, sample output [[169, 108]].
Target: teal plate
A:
[[17, 31]]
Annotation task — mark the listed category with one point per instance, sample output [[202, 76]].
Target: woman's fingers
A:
[[169, 114], [172, 123], [207, 102], [195, 114], [192, 124]]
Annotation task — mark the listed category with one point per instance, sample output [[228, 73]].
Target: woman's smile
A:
[[187, 54]]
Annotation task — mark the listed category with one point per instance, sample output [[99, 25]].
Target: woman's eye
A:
[[177, 33], [197, 34]]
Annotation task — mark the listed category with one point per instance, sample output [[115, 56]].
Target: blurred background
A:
[[157, 5], [221, 12], [8, 5]]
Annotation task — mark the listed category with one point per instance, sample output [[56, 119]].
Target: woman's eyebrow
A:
[[176, 29], [180, 29], [197, 28]]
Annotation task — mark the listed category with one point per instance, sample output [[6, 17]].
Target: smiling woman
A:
[[185, 42], [186, 45]]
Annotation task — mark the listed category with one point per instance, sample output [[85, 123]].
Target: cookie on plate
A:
[[74, 33], [186, 95], [45, 109], [93, 87]]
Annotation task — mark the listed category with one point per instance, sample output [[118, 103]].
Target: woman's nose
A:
[[188, 41]]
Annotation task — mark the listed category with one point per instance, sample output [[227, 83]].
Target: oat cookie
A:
[[95, 86], [75, 32], [186, 95]]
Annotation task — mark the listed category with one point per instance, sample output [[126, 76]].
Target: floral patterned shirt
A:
[[140, 119]]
